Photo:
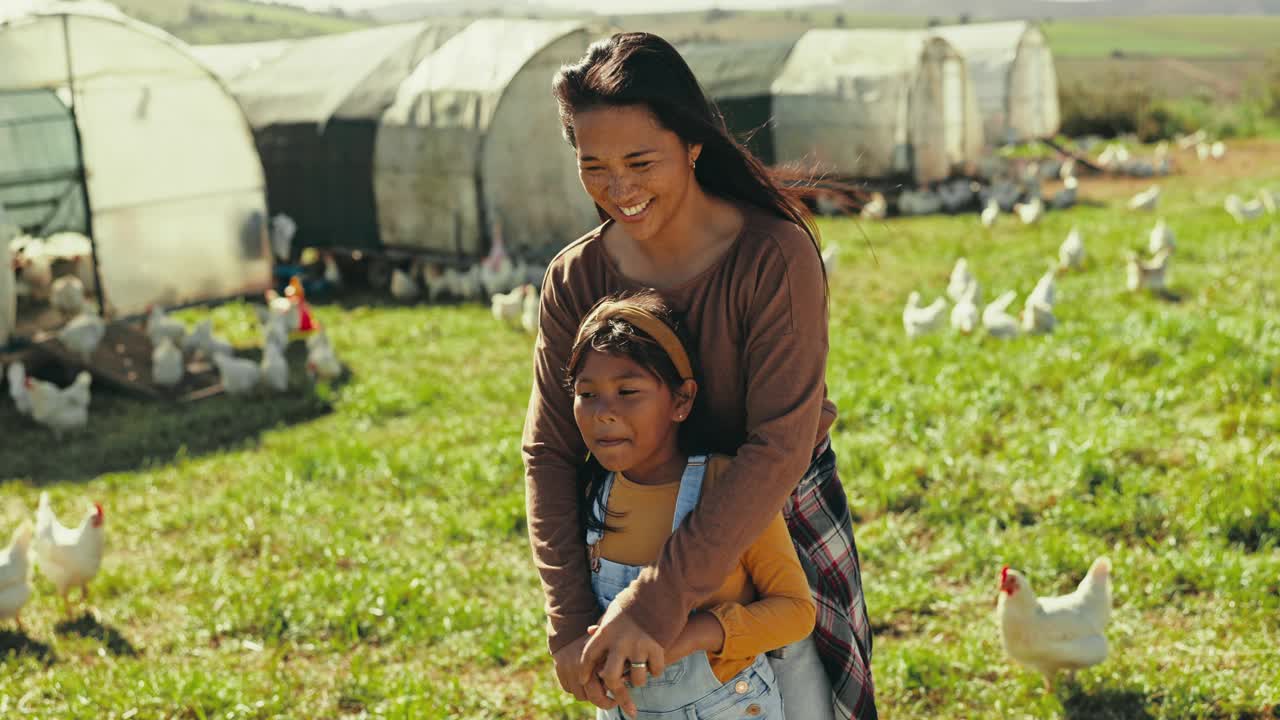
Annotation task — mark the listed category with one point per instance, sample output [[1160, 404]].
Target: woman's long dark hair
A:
[[642, 69], [620, 338]]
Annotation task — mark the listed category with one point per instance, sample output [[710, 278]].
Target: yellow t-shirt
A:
[[762, 605]]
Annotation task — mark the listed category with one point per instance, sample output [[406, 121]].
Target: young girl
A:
[[633, 395]]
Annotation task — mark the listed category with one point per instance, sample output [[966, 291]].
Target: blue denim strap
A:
[[690, 489]]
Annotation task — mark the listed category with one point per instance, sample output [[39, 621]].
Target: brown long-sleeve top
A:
[[759, 316], [763, 604]]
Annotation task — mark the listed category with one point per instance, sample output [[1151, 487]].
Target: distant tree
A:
[[788, 14], [933, 22], [964, 18], [1117, 53], [716, 15], [839, 20]]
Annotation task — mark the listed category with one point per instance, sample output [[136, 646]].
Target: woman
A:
[[690, 213]]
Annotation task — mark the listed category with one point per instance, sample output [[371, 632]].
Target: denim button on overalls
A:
[[688, 689]]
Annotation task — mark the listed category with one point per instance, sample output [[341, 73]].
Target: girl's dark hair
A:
[[642, 69], [620, 338]]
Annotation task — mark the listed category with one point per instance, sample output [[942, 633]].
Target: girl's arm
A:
[[783, 611]]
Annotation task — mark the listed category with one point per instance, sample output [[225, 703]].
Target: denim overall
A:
[[687, 690]]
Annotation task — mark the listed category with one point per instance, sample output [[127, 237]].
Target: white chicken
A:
[[996, 319], [160, 325], [919, 202], [238, 375], [830, 257], [1055, 633], [529, 313], [1202, 151], [1045, 290], [1147, 274], [1037, 318], [1268, 200], [332, 274], [1031, 212], [1242, 211], [16, 374], [876, 208], [990, 213], [920, 320], [960, 280], [200, 338], [322, 361], [60, 409], [276, 331], [36, 268], [1161, 237], [67, 295], [283, 228], [497, 272], [202, 341], [1067, 196], [69, 557], [1068, 169], [275, 369], [1218, 150], [403, 287], [1146, 200], [1071, 252], [83, 334], [166, 364], [506, 307], [965, 316], [15, 575]]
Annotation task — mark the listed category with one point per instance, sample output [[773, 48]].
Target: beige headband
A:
[[650, 325]]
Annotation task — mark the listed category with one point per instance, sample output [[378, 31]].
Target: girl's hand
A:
[[567, 672], [617, 643], [702, 633]]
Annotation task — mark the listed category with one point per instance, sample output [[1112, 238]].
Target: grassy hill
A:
[[204, 22]]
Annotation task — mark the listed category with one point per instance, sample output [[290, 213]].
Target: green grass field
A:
[[360, 550]]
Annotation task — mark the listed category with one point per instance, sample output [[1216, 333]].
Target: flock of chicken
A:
[[68, 557], [64, 409], [511, 285], [1037, 316]]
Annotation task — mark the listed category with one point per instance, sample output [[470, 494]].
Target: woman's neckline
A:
[[612, 265]]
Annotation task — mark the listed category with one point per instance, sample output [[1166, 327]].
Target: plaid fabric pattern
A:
[[818, 517]]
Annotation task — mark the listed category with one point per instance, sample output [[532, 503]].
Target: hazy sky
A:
[[607, 7], [612, 7]]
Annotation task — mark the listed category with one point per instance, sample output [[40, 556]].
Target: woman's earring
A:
[[693, 163]]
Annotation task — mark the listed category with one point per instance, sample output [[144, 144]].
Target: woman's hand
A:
[[619, 643], [567, 661]]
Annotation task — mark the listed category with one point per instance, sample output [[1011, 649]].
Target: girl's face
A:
[[628, 417], [631, 166]]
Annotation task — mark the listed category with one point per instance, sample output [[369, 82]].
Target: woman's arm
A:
[[552, 448], [785, 366], [783, 612]]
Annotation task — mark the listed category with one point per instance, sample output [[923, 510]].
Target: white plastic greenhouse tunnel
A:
[[111, 128], [1013, 73], [876, 104], [473, 143]]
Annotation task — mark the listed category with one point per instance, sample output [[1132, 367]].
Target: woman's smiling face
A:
[[634, 168]]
